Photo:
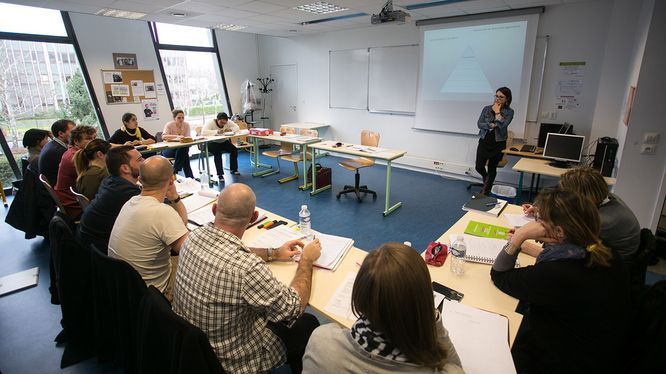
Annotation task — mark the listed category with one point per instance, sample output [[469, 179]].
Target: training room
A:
[[295, 186]]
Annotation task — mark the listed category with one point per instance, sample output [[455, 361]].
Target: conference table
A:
[[539, 167], [376, 153], [300, 140]]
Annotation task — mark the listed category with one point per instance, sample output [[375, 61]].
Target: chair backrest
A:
[[284, 146], [308, 132], [370, 138], [197, 130], [646, 250], [158, 136], [505, 156], [48, 187], [164, 334], [80, 198]]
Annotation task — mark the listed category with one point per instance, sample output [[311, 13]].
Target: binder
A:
[[485, 204]]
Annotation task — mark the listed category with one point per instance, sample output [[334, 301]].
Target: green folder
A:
[[486, 230]]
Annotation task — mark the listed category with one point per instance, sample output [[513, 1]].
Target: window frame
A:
[[152, 26], [73, 41]]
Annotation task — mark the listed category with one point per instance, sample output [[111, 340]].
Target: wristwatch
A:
[[269, 254], [171, 202]]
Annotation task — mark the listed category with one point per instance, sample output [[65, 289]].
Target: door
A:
[[285, 95]]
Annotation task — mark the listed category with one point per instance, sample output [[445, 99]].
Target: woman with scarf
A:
[[575, 297], [399, 329], [130, 133]]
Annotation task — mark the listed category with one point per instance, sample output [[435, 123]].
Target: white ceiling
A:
[[277, 17]]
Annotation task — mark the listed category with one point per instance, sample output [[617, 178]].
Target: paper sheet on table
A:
[[187, 185], [333, 249], [438, 298], [518, 220], [340, 303], [274, 238], [205, 215], [481, 338], [199, 200], [481, 247]]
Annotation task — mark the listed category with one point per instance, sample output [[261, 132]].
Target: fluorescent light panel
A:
[[118, 13], [320, 7], [230, 27]]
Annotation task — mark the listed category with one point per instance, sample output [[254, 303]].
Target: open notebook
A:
[[483, 250], [205, 215], [333, 248]]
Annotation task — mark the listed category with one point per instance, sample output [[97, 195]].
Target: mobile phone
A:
[[448, 293]]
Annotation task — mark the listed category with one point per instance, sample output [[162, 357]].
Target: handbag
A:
[[323, 176], [436, 253]]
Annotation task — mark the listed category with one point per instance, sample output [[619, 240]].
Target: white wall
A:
[[240, 62], [572, 39], [98, 38], [642, 178]]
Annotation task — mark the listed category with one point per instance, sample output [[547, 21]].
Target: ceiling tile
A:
[[235, 13], [261, 7]]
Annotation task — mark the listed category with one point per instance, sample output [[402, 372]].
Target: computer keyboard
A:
[[528, 148]]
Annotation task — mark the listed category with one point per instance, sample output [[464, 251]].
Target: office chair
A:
[[369, 138], [80, 198], [502, 163], [285, 150], [298, 157], [52, 193]]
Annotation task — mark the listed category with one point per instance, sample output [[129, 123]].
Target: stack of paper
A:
[[199, 199], [481, 338], [333, 248]]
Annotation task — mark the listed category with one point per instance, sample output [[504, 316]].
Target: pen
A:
[[194, 223]]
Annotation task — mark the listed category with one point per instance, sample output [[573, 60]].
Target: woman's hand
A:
[[529, 210], [496, 108], [533, 230]]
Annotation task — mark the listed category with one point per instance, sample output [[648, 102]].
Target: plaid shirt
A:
[[230, 294]]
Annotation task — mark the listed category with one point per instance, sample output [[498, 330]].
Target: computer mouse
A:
[[513, 149]]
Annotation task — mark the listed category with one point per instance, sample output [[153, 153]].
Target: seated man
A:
[[218, 127], [147, 229], [225, 288], [123, 163], [49, 158]]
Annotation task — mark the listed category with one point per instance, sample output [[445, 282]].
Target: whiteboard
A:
[[348, 79], [393, 79]]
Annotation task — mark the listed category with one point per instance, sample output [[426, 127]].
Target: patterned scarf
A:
[[561, 251], [136, 133], [374, 342]]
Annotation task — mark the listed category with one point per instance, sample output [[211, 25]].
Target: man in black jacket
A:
[[49, 158]]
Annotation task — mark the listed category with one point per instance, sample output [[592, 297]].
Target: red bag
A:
[[436, 254]]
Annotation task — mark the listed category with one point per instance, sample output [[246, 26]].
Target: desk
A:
[[307, 125], [300, 141], [387, 155], [479, 290], [540, 167]]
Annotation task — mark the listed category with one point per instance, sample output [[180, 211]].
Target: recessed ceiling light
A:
[[118, 13], [230, 27], [178, 14], [320, 7]]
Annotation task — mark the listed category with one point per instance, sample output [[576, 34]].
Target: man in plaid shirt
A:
[[253, 321]]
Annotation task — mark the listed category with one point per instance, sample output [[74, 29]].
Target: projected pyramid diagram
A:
[[467, 76]]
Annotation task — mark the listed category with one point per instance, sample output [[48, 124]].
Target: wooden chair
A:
[[51, 191], [242, 142], [80, 198], [369, 138], [298, 157], [286, 149], [503, 161]]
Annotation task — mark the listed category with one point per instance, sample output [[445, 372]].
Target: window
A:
[[192, 71], [41, 81]]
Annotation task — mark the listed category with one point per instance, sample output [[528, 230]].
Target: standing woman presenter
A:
[[493, 124]]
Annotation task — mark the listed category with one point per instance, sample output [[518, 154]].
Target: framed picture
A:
[[125, 61]]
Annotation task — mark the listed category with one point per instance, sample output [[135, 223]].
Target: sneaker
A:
[[235, 172], [220, 178]]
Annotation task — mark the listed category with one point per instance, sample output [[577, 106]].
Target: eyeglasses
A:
[[500, 97]]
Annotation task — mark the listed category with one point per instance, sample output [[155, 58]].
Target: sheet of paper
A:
[[340, 303], [333, 248], [201, 216], [438, 298], [481, 338], [275, 237], [196, 201], [187, 185], [481, 247], [517, 220]]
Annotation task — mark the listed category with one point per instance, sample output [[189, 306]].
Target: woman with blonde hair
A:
[[576, 295], [91, 167], [398, 329]]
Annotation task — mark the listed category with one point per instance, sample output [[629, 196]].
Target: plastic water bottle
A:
[[204, 181], [458, 251], [304, 220]]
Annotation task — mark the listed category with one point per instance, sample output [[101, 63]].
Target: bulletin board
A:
[[123, 86]]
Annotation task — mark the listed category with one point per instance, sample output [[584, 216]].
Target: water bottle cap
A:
[[409, 244], [304, 207], [461, 238]]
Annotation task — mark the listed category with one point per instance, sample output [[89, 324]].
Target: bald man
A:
[[253, 321], [148, 229]]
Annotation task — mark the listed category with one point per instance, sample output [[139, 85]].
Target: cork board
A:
[[122, 86]]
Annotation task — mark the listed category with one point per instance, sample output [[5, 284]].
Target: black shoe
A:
[[235, 172], [220, 178]]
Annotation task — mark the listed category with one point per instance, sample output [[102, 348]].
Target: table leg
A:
[[529, 195], [255, 167], [314, 176], [388, 210], [519, 195], [207, 164], [304, 153], [536, 191]]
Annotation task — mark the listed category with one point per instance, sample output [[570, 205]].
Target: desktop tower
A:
[[604, 157]]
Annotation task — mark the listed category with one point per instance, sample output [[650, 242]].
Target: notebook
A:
[[481, 250], [486, 230], [485, 204]]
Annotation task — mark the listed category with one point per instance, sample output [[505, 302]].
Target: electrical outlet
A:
[[438, 165], [651, 138], [648, 149]]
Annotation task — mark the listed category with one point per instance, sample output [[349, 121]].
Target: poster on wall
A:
[[137, 87], [149, 88], [570, 85], [125, 61], [111, 77], [150, 112], [160, 88], [120, 90]]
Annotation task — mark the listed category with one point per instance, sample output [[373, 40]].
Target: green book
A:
[[486, 230]]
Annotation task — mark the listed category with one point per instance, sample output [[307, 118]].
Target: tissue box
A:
[[261, 131]]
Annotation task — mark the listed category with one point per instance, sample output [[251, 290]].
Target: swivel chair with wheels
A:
[[368, 138]]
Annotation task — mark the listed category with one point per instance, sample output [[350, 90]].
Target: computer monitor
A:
[[546, 128], [563, 149]]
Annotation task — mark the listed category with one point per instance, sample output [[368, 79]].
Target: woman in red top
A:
[[80, 137]]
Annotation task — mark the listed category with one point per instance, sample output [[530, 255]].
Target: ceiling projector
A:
[[389, 15]]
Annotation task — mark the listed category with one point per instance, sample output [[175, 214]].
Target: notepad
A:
[[485, 204], [481, 250], [481, 338]]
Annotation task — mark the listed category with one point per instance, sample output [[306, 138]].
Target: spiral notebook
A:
[[481, 250]]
